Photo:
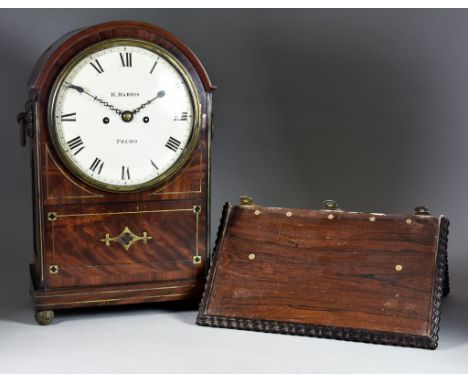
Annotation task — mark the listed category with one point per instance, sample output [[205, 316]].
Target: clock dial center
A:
[[127, 116]]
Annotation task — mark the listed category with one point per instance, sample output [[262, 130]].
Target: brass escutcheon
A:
[[126, 238]]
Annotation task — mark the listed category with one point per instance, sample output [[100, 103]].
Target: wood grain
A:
[[330, 269], [85, 214]]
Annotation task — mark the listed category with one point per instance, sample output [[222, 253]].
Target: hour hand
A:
[[80, 90]]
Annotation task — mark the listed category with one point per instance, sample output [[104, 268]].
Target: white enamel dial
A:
[[123, 116]]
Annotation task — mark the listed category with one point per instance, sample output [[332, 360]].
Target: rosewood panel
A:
[[149, 242], [345, 272]]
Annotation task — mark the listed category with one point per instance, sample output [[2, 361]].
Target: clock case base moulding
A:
[[94, 247]]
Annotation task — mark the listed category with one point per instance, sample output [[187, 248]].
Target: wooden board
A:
[[353, 276]]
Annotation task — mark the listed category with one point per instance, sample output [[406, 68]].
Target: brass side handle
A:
[[25, 122]]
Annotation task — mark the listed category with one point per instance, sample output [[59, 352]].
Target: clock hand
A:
[[160, 94], [80, 90]]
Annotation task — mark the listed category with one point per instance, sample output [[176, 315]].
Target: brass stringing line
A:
[[112, 299], [123, 213], [68, 178], [196, 233], [119, 291], [39, 188], [53, 242], [119, 264], [183, 192]]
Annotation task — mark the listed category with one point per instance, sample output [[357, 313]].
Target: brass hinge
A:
[[246, 201]]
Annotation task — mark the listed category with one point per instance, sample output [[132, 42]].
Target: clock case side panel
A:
[[40, 85]]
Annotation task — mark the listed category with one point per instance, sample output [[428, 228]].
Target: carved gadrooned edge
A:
[[339, 333], [442, 285], [214, 257], [443, 253]]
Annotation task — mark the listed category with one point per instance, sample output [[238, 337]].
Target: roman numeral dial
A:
[[125, 173], [97, 66], [126, 59], [76, 143], [124, 115], [70, 117], [97, 165], [181, 117], [173, 144]]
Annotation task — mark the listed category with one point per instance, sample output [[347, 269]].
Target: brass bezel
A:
[[196, 127]]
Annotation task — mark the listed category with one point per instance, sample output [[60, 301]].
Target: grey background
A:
[[367, 107]]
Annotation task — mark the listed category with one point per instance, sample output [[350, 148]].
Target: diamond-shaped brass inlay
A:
[[52, 216], [54, 269], [126, 238]]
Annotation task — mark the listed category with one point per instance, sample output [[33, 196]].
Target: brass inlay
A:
[[119, 291], [126, 238], [398, 267], [408, 221], [39, 190], [52, 216], [246, 201], [257, 212], [123, 213], [53, 269], [252, 256], [48, 154], [111, 299], [372, 218], [330, 217], [197, 258], [179, 175], [289, 214]]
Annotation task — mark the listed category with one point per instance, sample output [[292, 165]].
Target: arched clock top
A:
[[65, 48]]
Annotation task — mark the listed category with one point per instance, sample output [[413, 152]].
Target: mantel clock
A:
[[119, 118]]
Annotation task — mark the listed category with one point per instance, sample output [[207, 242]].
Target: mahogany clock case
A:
[[329, 273], [96, 247]]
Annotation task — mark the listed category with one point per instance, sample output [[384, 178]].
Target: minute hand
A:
[[79, 89], [160, 94]]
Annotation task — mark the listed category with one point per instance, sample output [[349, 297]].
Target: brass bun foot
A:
[[44, 317]]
